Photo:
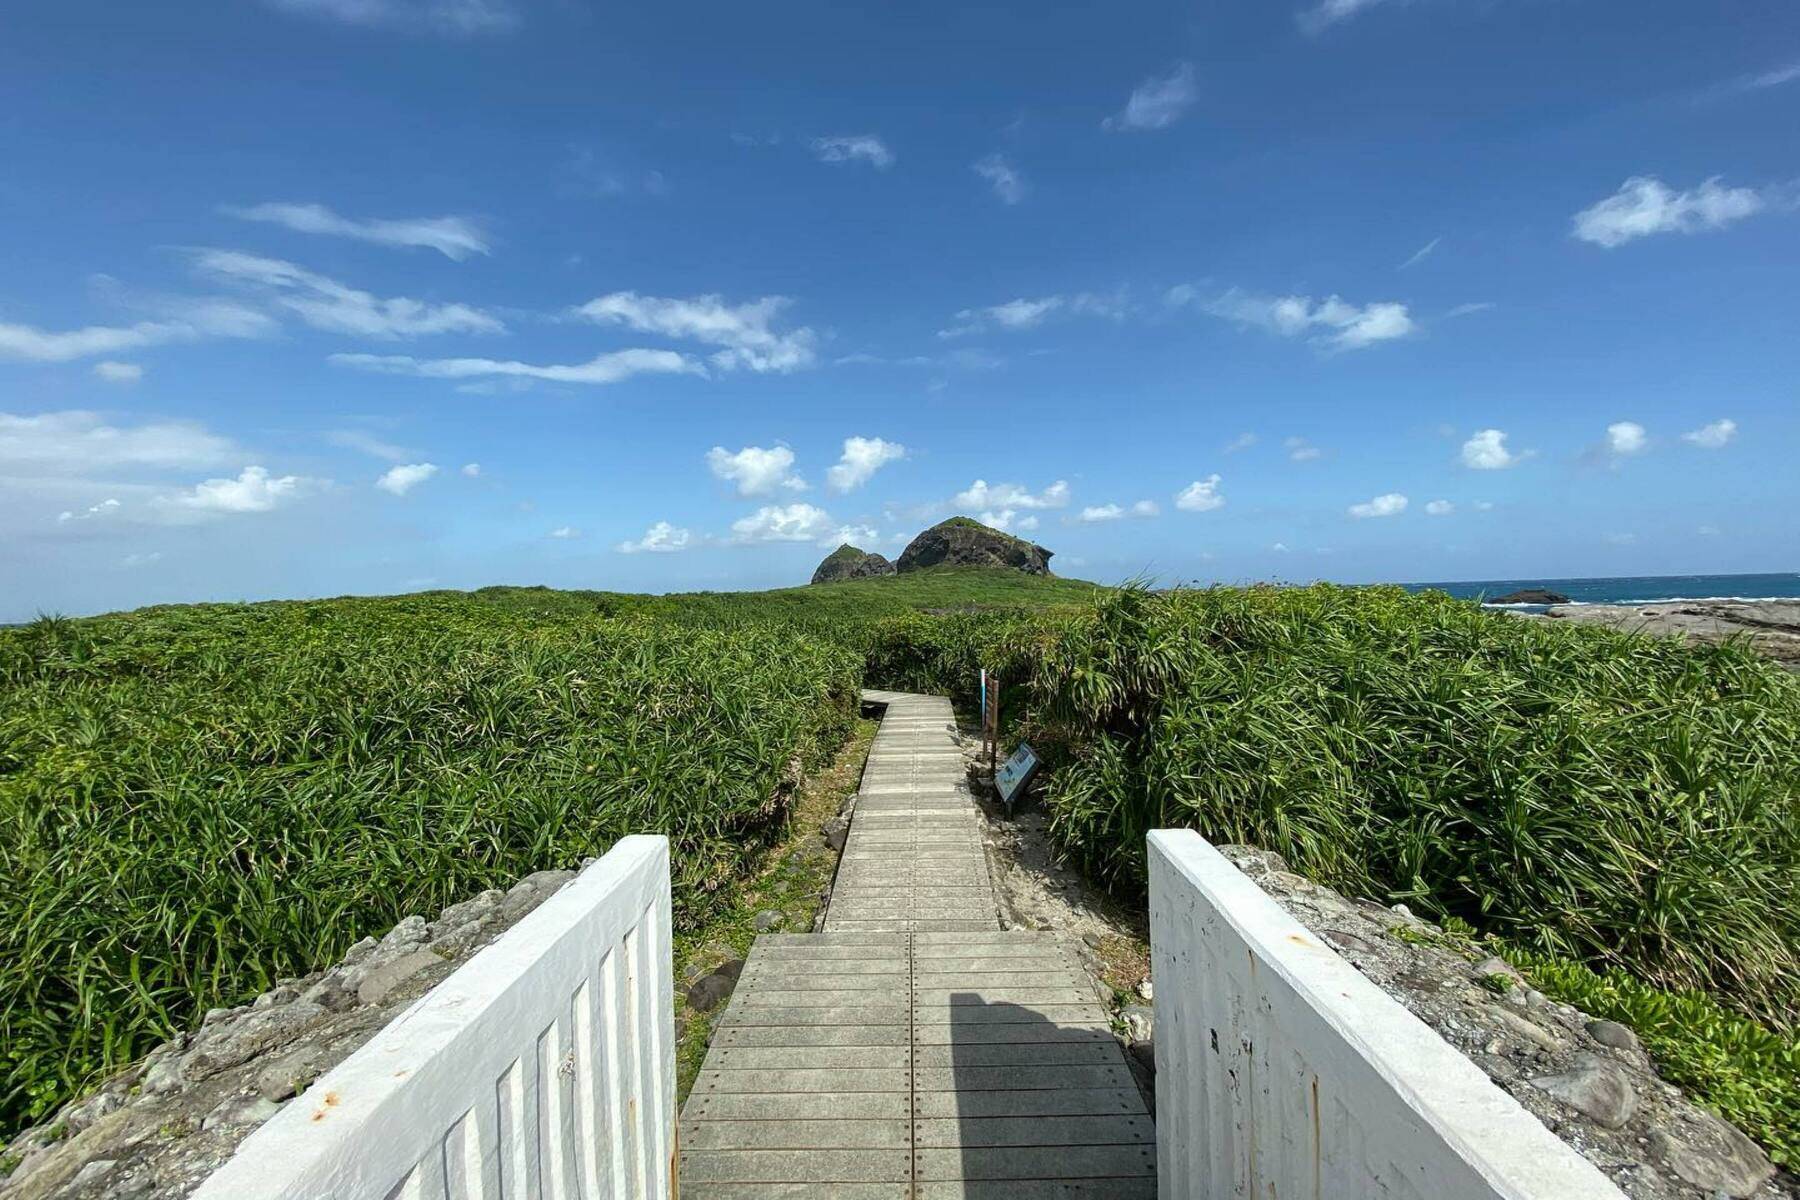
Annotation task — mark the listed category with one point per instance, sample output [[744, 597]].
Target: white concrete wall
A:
[[1283, 1074], [543, 1067]]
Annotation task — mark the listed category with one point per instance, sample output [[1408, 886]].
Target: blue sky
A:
[[307, 297]]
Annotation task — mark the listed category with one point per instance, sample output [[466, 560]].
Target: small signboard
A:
[[1015, 773]]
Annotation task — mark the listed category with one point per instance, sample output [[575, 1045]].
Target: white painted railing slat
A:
[[1282, 1071], [542, 1069]]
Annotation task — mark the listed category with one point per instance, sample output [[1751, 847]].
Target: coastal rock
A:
[[1531, 596], [1770, 626], [1712, 1155], [1595, 1088], [851, 562], [961, 542]]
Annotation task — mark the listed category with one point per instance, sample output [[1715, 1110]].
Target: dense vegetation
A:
[[197, 800]]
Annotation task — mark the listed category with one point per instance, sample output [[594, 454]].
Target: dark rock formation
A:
[[961, 542], [848, 562], [1531, 596]]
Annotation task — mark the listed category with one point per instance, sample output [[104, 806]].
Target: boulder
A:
[[961, 542], [1531, 596], [850, 562]]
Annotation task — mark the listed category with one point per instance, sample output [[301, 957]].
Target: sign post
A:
[[1015, 773]]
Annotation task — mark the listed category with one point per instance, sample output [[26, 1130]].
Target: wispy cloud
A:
[[984, 495], [453, 237], [1158, 102], [196, 321], [1712, 436], [338, 308], [1327, 13], [754, 471], [367, 443], [451, 18], [1202, 495], [1331, 323], [1023, 313], [1420, 254], [1439, 508], [1645, 205], [865, 147], [862, 457], [118, 372], [1003, 177], [1095, 514], [1242, 441], [603, 369], [85, 442], [747, 331], [1300, 450], [564, 533], [1769, 79]]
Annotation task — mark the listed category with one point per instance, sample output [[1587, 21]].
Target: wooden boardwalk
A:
[[914, 1048]]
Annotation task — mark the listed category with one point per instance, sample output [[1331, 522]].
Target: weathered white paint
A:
[[543, 1067], [1283, 1074]]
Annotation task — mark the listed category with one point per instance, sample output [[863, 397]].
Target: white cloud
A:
[[142, 559], [1420, 254], [329, 305], [864, 147], [453, 18], [187, 321], [1202, 495], [1329, 12], [1484, 506], [118, 372], [744, 330], [453, 237], [367, 443], [103, 509], [1486, 451], [755, 471], [1279, 548], [404, 478], [1330, 322], [1468, 310], [1008, 519], [984, 495], [1158, 102], [1625, 438], [564, 533], [1769, 79], [783, 523], [1644, 205], [1114, 512], [660, 538], [253, 490], [862, 457], [1712, 436], [83, 442], [1300, 450], [1389, 504], [1439, 508], [1242, 441], [1003, 177], [472, 470], [1022, 313], [603, 369]]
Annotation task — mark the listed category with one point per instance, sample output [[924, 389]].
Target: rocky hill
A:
[[851, 562], [962, 542]]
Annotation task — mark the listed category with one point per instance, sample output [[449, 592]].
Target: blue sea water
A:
[[1634, 589]]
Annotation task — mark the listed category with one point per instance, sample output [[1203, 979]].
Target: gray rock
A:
[[1139, 1021], [1611, 1033], [359, 951], [1497, 966], [409, 932], [93, 1172], [241, 1110], [454, 943], [851, 562], [278, 995], [1712, 1155], [476, 908], [769, 920], [532, 891], [836, 832], [1595, 1088], [164, 1076], [335, 991], [226, 1046], [962, 542], [378, 984], [290, 1073], [715, 987]]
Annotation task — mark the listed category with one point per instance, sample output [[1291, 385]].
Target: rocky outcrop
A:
[[157, 1129], [1587, 1080], [961, 542], [1771, 626], [850, 562], [1531, 596]]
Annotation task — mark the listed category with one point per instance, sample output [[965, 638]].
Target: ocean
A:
[[1631, 589]]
